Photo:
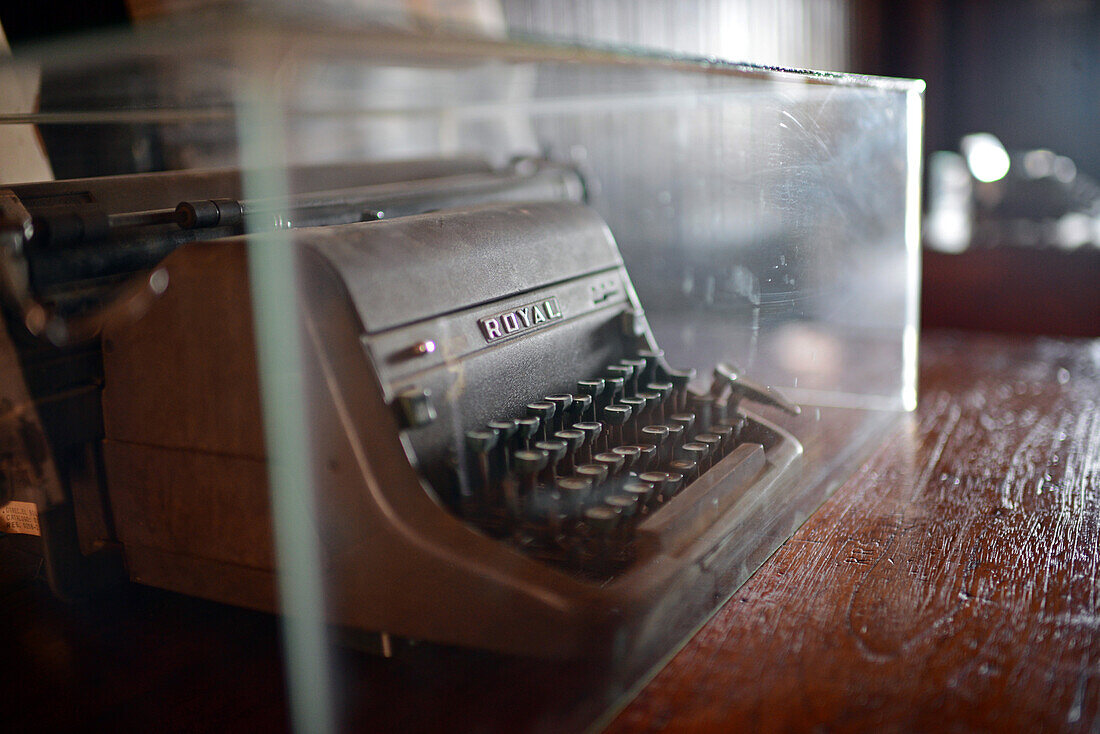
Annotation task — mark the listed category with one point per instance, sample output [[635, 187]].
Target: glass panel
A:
[[528, 354]]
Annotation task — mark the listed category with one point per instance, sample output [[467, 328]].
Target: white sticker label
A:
[[19, 517]]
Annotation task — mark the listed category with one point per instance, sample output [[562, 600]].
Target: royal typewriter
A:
[[504, 458]]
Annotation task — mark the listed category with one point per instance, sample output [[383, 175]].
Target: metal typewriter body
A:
[[433, 342]]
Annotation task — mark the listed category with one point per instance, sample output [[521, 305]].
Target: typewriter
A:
[[504, 458]]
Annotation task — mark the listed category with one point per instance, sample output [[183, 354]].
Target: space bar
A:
[[701, 503]]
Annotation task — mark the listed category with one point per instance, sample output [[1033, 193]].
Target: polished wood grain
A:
[[952, 584]]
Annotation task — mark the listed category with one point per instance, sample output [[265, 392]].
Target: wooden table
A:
[[950, 585]]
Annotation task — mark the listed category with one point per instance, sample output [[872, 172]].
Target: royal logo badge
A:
[[520, 320]]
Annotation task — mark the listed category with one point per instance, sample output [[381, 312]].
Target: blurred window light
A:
[[1065, 170], [814, 34], [1074, 230], [947, 225], [985, 156], [1039, 163], [948, 230]]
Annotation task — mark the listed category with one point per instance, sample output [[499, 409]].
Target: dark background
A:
[[1027, 71]]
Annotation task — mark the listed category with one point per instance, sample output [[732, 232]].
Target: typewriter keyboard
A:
[[570, 479]]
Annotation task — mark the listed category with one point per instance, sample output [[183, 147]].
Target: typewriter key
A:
[[652, 400], [675, 439], [626, 510], [630, 430], [638, 367], [647, 452], [652, 359], [673, 486], [687, 420], [686, 468], [563, 403], [506, 429], [578, 409], [654, 482], [555, 450], [625, 505], [613, 390], [573, 440], [593, 389], [625, 373], [725, 432], [656, 436], [544, 412], [574, 492], [702, 405], [630, 456], [615, 416], [591, 431], [696, 452], [637, 491], [528, 465], [664, 389], [612, 461], [480, 443], [714, 448], [680, 380], [526, 428], [597, 473]]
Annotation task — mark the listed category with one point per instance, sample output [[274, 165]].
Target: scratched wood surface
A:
[[950, 585]]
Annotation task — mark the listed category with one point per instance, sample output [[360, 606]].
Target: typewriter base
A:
[[630, 621]]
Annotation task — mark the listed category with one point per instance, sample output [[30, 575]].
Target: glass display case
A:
[[444, 345]]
